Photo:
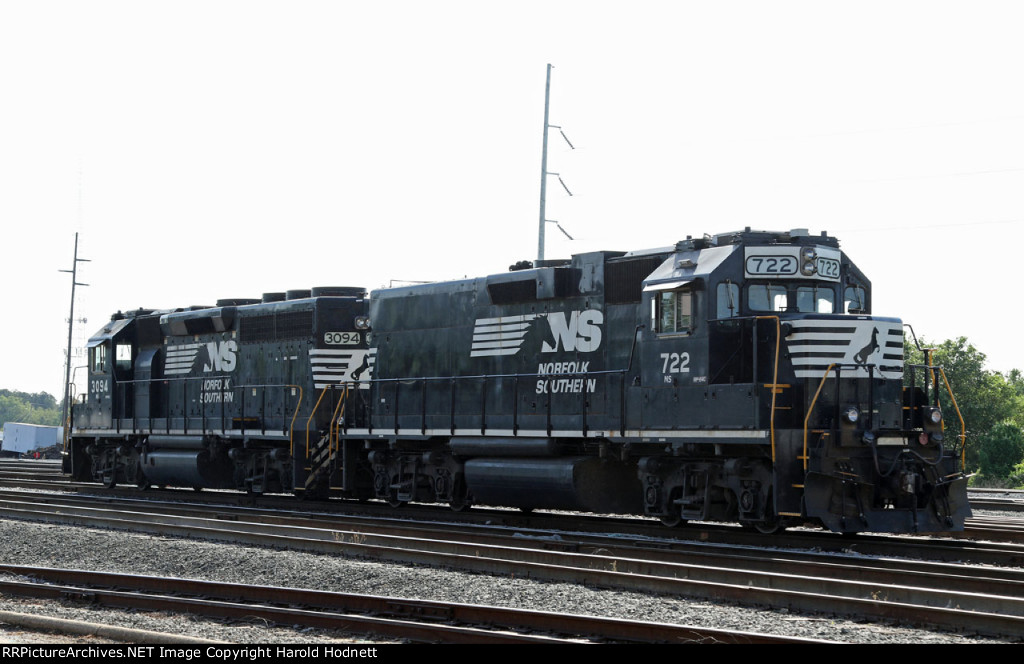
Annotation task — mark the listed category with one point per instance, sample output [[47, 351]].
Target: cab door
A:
[[123, 396], [673, 364], [98, 401]]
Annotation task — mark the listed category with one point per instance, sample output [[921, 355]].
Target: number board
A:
[[342, 338], [772, 266], [785, 262]]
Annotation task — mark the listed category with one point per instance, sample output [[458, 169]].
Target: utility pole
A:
[[544, 171], [71, 322]]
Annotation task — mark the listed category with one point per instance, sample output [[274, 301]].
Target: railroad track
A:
[[674, 561], [27, 472], [987, 601], [1003, 500], [548, 532], [45, 476], [396, 618]]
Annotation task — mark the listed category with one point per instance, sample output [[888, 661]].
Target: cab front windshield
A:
[[803, 298]]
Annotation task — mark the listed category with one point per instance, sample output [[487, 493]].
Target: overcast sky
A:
[[206, 150]]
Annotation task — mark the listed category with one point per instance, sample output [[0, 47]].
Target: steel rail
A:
[[409, 619], [996, 549], [979, 543], [878, 570], [991, 614]]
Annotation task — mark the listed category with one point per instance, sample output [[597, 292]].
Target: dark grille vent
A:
[[566, 282], [295, 324], [624, 279], [256, 328], [512, 292], [274, 327]]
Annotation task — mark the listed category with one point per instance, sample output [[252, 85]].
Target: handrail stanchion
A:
[[309, 419], [810, 409]]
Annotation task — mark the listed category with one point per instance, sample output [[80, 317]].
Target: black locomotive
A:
[[737, 378]]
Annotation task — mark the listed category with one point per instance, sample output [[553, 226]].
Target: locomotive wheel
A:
[[459, 504], [393, 499], [141, 480], [109, 473], [460, 501], [673, 521], [772, 523], [769, 527]]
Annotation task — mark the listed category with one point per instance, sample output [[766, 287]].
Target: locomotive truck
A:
[[739, 377]]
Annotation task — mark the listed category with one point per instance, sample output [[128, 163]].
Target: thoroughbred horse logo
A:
[[864, 354]]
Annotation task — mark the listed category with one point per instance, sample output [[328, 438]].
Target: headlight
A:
[[934, 415], [808, 261], [362, 322], [851, 414]]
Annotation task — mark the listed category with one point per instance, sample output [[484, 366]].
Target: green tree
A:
[[1015, 379], [38, 408], [1002, 448]]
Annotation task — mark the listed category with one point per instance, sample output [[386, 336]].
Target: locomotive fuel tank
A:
[[586, 484]]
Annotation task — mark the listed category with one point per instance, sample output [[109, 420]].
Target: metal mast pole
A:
[[71, 323], [544, 169]]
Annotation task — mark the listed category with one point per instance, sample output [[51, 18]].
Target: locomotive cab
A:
[[778, 339], [107, 401]]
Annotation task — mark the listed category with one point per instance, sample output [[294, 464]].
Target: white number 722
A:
[[676, 363]]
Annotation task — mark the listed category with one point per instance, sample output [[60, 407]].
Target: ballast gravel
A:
[[29, 543]]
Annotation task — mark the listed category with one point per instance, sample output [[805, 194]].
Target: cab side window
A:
[[728, 300], [855, 299], [98, 358], [673, 311], [124, 356]]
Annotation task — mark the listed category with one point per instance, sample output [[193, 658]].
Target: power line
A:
[[889, 227], [939, 175]]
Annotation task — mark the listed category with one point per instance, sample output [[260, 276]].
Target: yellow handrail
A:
[[316, 406], [291, 427], [810, 409], [963, 429], [775, 377], [339, 411]]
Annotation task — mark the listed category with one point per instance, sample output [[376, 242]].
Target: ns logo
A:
[[220, 356], [565, 331], [580, 332]]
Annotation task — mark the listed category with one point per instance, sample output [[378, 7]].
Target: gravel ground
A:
[[26, 543]]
